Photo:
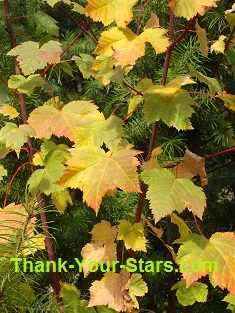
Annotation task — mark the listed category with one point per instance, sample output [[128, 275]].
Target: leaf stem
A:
[[140, 15]]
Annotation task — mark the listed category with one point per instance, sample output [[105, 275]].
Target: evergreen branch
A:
[[66, 49], [140, 15], [77, 23], [11, 181]]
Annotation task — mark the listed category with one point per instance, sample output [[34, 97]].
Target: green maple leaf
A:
[[46, 21], [60, 200], [215, 257], [71, 299], [84, 64], [43, 180], [138, 288], [212, 83], [25, 85], [167, 194], [170, 104], [32, 58], [188, 296], [108, 171], [133, 235], [15, 137]]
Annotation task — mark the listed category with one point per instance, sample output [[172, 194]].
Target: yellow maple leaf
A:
[[108, 11], [126, 46], [103, 232], [155, 36], [219, 45], [189, 8], [8, 110], [108, 171]]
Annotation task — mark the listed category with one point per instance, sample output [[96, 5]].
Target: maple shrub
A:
[[106, 107]]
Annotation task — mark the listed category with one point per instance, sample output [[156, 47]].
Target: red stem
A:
[[140, 15], [67, 48], [49, 246], [184, 33]]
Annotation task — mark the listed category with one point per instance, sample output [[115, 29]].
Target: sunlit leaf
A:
[[201, 33], [167, 194], [219, 45], [60, 200], [8, 110], [25, 85], [108, 11]]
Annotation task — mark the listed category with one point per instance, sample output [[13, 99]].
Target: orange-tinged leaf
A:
[[132, 235], [103, 232], [8, 110], [189, 9], [167, 194], [191, 166], [47, 120], [14, 218], [155, 36], [108, 170], [108, 11], [153, 21], [229, 100], [112, 290], [201, 33], [126, 46], [215, 257], [32, 58]]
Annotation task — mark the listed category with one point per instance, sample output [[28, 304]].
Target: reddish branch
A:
[[48, 241]]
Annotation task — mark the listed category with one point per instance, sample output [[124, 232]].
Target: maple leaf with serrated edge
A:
[[32, 58], [47, 120], [219, 45], [103, 232], [112, 290], [229, 100], [170, 104], [25, 85], [122, 43], [189, 9], [167, 194], [109, 171], [60, 200], [15, 137], [138, 288], [132, 235], [44, 179], [188, 296], [155, 36], [215, 257], [108, 11], [71, 299]]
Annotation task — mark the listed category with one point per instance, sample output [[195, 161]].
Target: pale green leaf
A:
[[132, 235], [78, 8], [201, 33], [25, 85], [3, 172], [171, 105], [138, 288], [167, 194], [84, 64], [61, 199], [15, 137], [183, 228], [219, 45], [212, 83], [32, 58], [46, 21], [188, 296]]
